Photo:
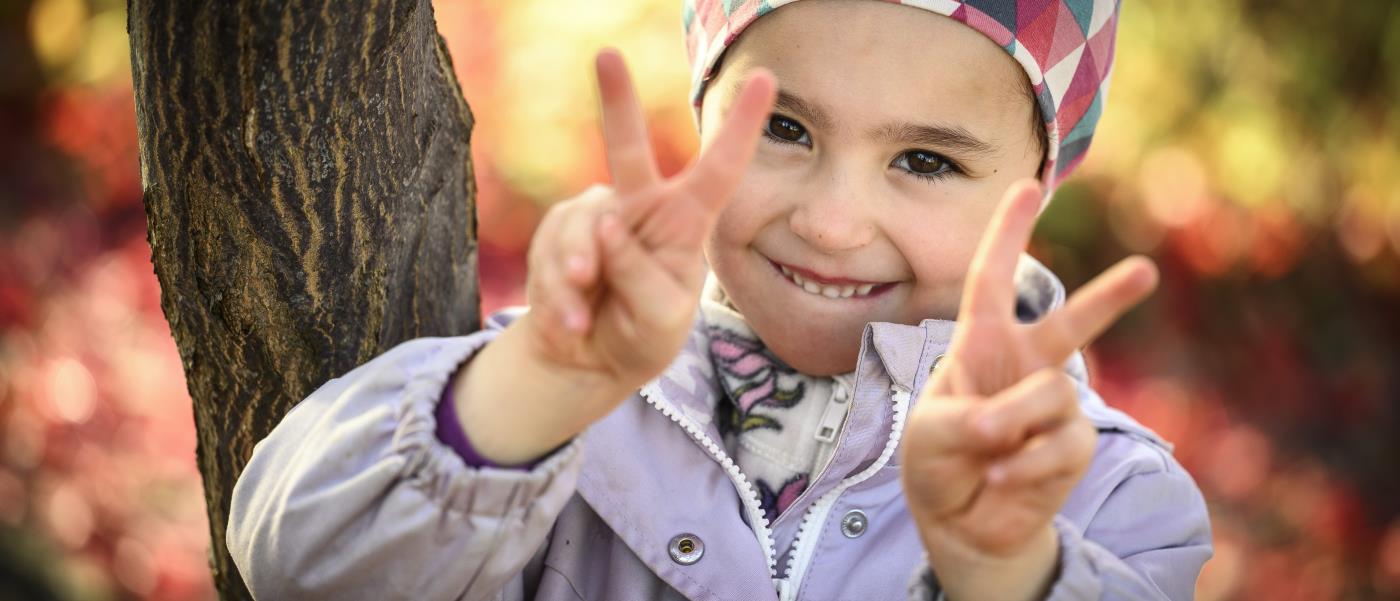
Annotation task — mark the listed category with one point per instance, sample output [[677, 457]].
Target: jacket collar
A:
[[901, 353]]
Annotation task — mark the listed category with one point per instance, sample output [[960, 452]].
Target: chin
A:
[[813, 352]]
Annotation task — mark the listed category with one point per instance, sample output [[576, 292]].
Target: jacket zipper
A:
[[747, 493], [804, 543]]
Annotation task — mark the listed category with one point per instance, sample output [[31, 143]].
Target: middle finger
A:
[[989, 289], [630, 158]]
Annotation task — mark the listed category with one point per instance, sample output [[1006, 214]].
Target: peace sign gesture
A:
[[997, 441], [614, 280], [616, 272]]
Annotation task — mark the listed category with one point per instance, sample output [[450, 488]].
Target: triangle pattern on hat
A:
[[1103, 11], [1030, 10], [1067, 35], [1084, 127], [1047, 103], [1071, 154], [1038, 34], [1002, 11], [1085, 83], [942, 7], [710, 19], [745, 12], [1073, 111], [1023, 56], [1083, 10], [1101, 47], [1059, 77], [988, 26]]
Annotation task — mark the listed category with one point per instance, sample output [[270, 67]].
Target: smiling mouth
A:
[[812, 284]]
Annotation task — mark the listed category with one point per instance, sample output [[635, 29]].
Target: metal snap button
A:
[[686, 549], [934, 366], [854, 523]]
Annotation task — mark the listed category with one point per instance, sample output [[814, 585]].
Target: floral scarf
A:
[[778, 424]]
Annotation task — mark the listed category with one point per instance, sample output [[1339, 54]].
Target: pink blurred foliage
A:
[[98, 435]]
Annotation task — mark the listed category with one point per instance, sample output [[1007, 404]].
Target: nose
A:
[[832, 216]]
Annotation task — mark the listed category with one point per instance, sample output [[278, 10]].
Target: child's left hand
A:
[[996, 442]]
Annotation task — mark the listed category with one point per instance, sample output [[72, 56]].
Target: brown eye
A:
[[785, 129], [924, 162]]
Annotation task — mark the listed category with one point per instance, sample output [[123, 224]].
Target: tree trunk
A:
[[309, 199]]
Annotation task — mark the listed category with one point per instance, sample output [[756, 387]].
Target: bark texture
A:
[[309, 199]]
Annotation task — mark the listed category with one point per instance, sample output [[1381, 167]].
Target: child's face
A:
[[895, 134]]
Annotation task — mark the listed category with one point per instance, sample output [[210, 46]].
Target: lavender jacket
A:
[[353, 496]]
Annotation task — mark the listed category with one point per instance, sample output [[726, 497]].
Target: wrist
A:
[[515, 406], [1026, 573]]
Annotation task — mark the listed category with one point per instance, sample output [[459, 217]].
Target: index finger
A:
[[715, 174], [989, 290], [630, 158], [1094, 307]]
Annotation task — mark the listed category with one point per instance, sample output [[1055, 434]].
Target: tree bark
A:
[[309, 198]]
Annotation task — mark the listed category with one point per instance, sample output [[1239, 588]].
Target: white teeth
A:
[[829, 291]]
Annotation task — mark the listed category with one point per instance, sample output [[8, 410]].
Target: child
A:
[[818, 429]]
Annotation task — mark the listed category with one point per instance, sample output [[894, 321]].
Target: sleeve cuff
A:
[[450, 432], [1078, 578]]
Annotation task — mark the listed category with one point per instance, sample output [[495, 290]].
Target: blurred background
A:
[[1251, 148]]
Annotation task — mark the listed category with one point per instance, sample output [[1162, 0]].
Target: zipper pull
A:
[[783, 588], [832, 417]]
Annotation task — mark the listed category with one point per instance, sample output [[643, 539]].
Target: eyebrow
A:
[[955, 138]]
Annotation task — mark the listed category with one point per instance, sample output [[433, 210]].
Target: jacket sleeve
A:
[[1148, 539], [352, 496]]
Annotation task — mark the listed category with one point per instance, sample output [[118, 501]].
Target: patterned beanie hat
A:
[[1065, 46]]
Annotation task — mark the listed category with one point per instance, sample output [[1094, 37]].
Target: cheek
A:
[[752, 207], [945, 258], [734, 230], [940, 256], [940, 238]]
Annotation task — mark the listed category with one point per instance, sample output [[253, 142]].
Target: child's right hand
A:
[[614, 280], [615, 273]]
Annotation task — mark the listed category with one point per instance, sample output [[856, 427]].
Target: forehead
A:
[[880, 61]]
